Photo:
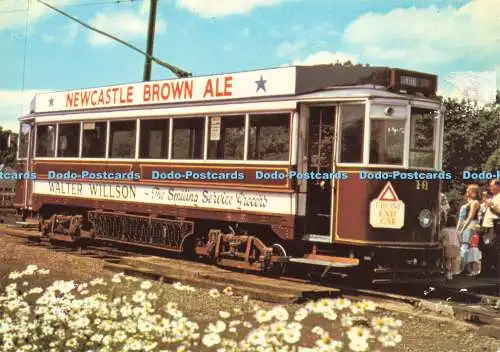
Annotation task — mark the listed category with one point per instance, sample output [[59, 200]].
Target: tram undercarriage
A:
[[219, 244]]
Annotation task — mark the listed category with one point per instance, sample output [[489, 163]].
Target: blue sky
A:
[[458, 40]]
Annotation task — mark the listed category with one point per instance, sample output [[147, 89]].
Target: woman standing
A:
[[467, 225]]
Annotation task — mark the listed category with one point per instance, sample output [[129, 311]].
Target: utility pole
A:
[[150, 39]]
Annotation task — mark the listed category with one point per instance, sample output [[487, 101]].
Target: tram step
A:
[[319, 262]]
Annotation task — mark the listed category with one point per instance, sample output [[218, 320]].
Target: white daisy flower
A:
[[317, 330], [15, 275], [217, 328], [214, 293], [263, 316], [257, 338], [146, 285], [391, 339], [224, 315], [301, 314], [139, 297], [211, 339], [358, 345], [291, 336], [341, 303], [280, 313], [330, 315], [358, 332]]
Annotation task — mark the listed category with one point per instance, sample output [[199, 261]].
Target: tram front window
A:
[[422, 141], [387, 141]]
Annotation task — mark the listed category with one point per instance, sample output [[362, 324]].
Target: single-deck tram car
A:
[[330, 167]]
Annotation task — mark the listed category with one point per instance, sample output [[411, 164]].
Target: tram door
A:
[[27, 128], [320, 160]]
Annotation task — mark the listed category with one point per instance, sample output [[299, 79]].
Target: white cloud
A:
[[288, 49], [479, 87], [47, 38], [10, 18], [66, 35], [326, 57], [125, 25], [13, 104], [220, 8], [71, 31], [430, 34]]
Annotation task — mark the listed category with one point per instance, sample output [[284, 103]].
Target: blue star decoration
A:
[[51, 101], [261, 84]]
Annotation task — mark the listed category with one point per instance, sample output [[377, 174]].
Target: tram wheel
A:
[[278, 269]]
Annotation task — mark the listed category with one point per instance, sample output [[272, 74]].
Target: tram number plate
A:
[[387, 210]]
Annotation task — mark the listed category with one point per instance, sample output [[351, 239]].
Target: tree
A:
[[7, 153], [493, 162], [471, 142]]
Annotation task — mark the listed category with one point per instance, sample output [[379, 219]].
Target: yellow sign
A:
[[387, 211]]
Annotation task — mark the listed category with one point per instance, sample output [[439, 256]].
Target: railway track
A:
[[462, 304]]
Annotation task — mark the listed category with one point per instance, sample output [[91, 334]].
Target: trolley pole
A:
[[150, 40]]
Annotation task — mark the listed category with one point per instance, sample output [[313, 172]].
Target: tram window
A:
[[422, 138], [94, 139], [321, 130], [154, 139], [226, 138], [45, 138], [68, 140], [122, 139], [24, 135], [387, 141], [269, 137], [188, 137], [352, 133]]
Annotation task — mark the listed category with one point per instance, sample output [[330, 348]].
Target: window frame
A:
[[28, 147], [84, 158], [338, 134], [35, 148], [290, 136], [79, 142], [435, 136], [405, 135], [108, 132], [203, 145], [138, 139], [245, 116], [292, 144]]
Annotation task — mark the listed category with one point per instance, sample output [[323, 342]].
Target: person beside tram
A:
[[468, 225], [491, 228]]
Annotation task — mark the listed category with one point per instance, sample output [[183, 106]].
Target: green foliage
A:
[[493, 162], [7, 154], [471, 142]]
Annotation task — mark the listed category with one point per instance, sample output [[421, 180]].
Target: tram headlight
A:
[[425, 218]]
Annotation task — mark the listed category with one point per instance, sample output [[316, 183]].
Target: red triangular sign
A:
[[388, 194]]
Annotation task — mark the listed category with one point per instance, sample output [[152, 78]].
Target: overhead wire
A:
[[94, 3]]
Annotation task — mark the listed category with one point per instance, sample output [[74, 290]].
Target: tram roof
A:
[[257, 84]]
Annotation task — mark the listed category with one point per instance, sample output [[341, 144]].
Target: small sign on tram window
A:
[[89, 126], [387, 210], [215, 128]]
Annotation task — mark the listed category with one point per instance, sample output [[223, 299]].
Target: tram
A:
[[331, 167]]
